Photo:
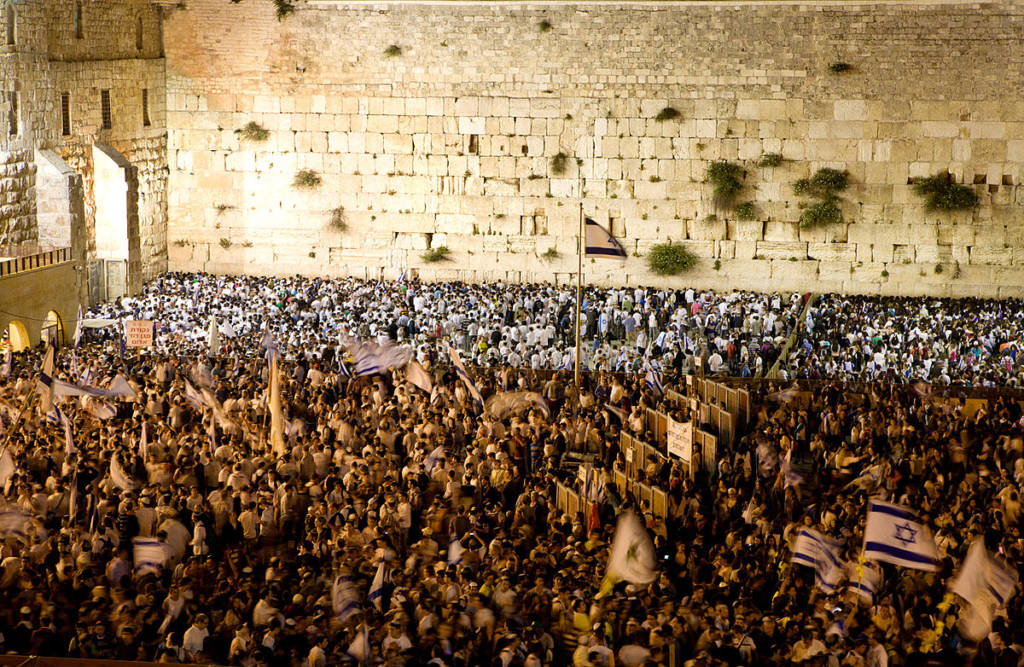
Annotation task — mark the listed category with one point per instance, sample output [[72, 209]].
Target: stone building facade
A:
[[486, 128]]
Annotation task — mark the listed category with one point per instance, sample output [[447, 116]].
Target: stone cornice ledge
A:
[[533, 4]]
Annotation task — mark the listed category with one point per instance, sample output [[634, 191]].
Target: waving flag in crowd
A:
[[894, 534], [813, 549], [986, 584], [460, 369], [632, 555]]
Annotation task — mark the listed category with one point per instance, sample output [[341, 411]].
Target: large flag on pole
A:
[[276, 416], [119, 477], [376, 594], [813, 549], [45, 384], [343, 597], [986, 584], [13, 523], [78, 327], [213, 338], [419, 378], [894, 534], [632, 555], [464, 375], [600, 242]]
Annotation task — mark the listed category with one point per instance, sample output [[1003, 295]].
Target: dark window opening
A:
[[108, 121], [12, 112], [65, 114], [138, 34], [12, 20], [78, 20], [145, 107]]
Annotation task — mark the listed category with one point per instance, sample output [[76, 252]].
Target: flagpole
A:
[[579, 289]]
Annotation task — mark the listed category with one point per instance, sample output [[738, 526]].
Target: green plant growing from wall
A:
[[544, 26], [393, 51], [746, 211], [225, 243], [306, 178], [770, 160], [284, 8], [181, 243], [436, 254], [942, 194], [559, 164], [840, 67], [725, 177], [667, 259], [223, 207], [668, 113], [247, 244], [824, 186], [550, 254], [253, 131], [338, 220]]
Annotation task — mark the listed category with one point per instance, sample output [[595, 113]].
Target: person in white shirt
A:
[[195, 636]]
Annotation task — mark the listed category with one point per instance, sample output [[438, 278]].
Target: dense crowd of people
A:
[[409, 527]]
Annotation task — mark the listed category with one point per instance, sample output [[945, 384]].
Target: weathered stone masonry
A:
[[451, 141]]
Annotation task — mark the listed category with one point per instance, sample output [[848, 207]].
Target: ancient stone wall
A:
[[73, 50], [441, 125]]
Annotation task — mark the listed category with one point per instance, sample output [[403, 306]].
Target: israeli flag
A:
[[600, 242], [460, 369], [150, 555], [864, 578], [894, 534], [455, 552], [653, 382], [269, 344], [343, 367], [78, 327], [343, 597], [401, 276], [376, 594], [820, 552]]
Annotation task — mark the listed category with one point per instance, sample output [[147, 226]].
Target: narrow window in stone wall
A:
[[138, 34], [12, 19], [65, 114], [78, 19], [145, 107], [12, 111], [105, 109]]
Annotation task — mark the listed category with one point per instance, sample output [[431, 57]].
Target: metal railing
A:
[[37, 260]]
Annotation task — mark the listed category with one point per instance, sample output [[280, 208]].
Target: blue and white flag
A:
[[455, 552], [150, 555], [653, 382], [343, 597], [600, 242], [894, 534], [432, 459], [5, 370], [376, 594], [98, 409], [419, 378], [369, 358], [813, 549], [144, 443], [69, 440], [359, 649], [14, 523], [45, 384], [78, 327], [119, 477], [460, 369], [269, 344], [864, 578], [343, 367], [986, 584], [401, 276]]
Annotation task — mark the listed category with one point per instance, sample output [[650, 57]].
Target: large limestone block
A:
[[746, 230], [781, 249], [781, 231], [832, 252], [704, 229], [989, 255]]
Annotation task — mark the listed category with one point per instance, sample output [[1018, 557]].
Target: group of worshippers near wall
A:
[[854, 338], [408, 522]]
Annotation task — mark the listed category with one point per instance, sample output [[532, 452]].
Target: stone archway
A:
[[17, 336], [53, 331]]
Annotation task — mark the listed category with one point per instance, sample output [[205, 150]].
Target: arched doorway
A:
[[53, 329], [17, 336]]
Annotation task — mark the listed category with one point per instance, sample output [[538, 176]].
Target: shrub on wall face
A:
[[725, 177], [306, 178], [666, 259], [824, 212], [942, 194], [436, 254]]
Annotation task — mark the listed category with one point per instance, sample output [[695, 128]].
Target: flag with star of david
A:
[[895, 534], [632, 555]]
